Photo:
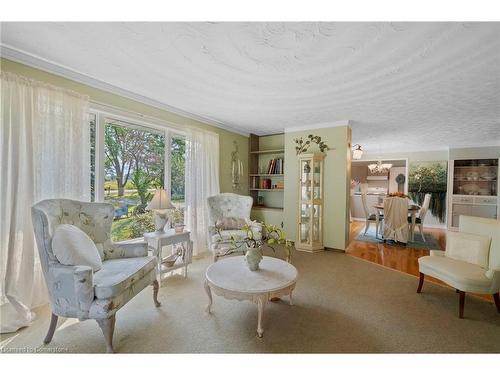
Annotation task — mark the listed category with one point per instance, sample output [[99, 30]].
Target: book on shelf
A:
[[275, 166]]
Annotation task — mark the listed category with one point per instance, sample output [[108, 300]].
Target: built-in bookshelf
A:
[[266, 171]]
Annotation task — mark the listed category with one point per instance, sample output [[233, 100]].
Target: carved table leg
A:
[[291, 299], [52, 329], [108, 328], [209, 294], [261, 302], [156, 286]]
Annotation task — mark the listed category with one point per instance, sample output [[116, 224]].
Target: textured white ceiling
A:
[[403, 86]]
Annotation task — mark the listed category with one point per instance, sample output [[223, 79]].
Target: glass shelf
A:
[[475, 177]]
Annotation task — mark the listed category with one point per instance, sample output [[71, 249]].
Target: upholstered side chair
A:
[[78, 292], [479, 275], [232, 206]]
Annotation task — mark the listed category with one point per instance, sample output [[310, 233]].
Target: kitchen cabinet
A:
[[357, 211]]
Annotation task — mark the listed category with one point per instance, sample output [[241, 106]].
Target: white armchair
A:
[[475, 268], [78, 292], [229, 206]]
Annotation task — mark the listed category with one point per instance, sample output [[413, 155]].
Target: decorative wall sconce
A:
[[236, 167], [357, 152]]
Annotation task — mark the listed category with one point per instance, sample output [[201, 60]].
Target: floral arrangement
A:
[[398, 194], [302, 146], [272, 236]]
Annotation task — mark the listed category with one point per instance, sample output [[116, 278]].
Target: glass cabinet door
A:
[[316, 223], [475, 177], [317, 193], [305, 168], [305, 221]]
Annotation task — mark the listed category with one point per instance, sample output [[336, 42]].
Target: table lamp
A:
[[160, 204]]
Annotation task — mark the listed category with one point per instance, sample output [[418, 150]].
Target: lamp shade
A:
[[160, 201]]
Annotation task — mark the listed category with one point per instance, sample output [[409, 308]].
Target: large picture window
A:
[[128, 162]]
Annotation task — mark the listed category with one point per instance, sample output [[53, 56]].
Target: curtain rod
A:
[[100, 106]]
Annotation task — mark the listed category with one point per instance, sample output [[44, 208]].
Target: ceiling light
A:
[[379, 167], [357, 152]]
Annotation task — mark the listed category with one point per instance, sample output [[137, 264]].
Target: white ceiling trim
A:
[[46, 65], [321, 125]]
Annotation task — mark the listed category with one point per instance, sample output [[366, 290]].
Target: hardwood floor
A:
[[400, 258]]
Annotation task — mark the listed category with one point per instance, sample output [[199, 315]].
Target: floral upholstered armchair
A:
[[229, 212], [78, 292]]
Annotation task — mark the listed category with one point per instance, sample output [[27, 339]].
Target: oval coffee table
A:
[[232, 279]]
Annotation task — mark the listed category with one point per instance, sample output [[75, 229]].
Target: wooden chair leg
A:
[[108, 328], [496, 297], [52, 329], [461, 305], [420, 282], [156, 286]]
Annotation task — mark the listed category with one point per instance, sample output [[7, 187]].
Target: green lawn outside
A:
[[121, 228]]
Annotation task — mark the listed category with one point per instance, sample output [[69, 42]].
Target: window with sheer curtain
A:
[[45, 153], [49, 147]]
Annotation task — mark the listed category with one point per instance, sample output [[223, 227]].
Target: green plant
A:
[[141, 181], [141, 224], [271, 236], [301, 146]]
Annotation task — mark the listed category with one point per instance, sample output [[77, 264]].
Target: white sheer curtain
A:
[[202, 181], [45, 153]]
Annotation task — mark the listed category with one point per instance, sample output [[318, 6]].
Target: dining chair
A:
[[419, 220], [370, 217], [395, 219]]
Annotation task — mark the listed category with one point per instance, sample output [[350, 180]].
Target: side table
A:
[[179, 241]]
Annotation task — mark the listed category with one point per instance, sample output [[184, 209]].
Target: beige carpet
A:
[[342, 305]]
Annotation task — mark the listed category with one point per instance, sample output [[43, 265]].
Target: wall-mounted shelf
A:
[[267, 208], [278, 151], [276, 190], [267, 175]]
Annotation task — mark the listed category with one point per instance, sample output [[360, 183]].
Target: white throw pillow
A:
[[468, 247], [72, 247]]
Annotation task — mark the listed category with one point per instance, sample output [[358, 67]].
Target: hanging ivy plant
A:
[[302, 146]]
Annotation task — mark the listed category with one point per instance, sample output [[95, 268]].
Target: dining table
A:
[[412, 210]]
